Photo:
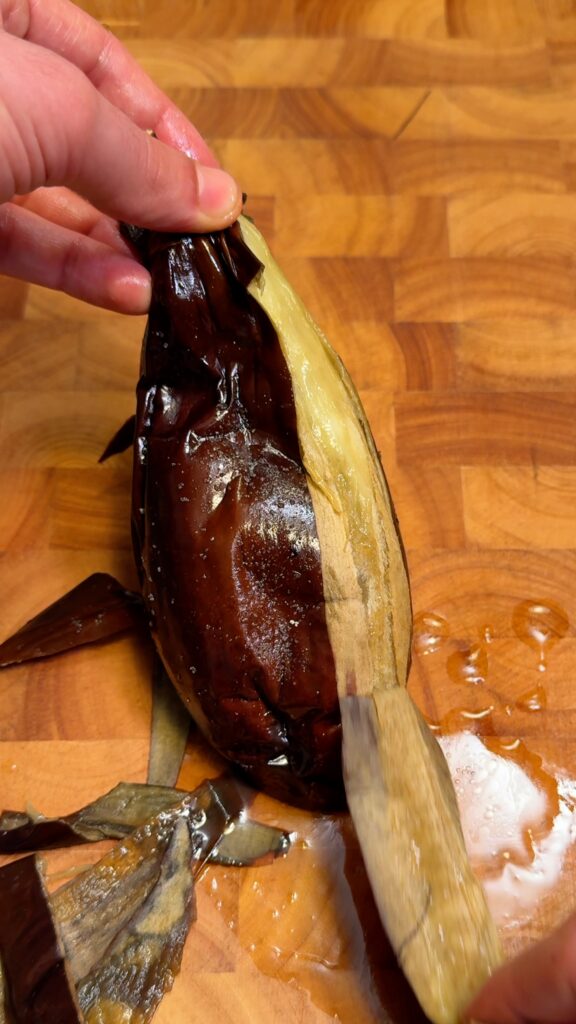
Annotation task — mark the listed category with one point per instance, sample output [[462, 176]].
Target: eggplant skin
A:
[[224, 530]]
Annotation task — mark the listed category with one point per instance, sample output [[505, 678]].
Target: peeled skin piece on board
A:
[[139, 966], [36, 986], [106, 946], [99, 608], [398, 786]]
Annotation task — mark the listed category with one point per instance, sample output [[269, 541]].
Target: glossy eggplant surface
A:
[[224, 529]]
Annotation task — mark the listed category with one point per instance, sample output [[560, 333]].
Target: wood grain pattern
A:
[[524, 354], [362, 226], [452, 166], [412, 19], [460, 289], [519, 506], [413, 163], [515, 225], [486, 429]]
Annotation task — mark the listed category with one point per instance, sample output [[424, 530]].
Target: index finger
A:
[[65, 29]]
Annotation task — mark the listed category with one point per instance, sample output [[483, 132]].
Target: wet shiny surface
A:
[[519, 820], [518, 804], [540, 626], [519, 817], [36, 987], [223, 523]]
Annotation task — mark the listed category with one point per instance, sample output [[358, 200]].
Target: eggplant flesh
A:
[[398, 786], [223, 523]]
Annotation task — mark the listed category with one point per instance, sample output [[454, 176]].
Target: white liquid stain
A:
[[518, 850]]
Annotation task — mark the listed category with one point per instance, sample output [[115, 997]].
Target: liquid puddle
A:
[[309, 921], [518, 818], [533, 700], [518, 821]]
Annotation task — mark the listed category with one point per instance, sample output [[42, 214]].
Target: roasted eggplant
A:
[[275, 586], [223, 523], [275, 582]]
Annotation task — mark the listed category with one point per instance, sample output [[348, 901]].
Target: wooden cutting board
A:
[[413, 164]]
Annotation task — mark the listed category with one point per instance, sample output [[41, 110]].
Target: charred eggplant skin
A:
[[224, 530]]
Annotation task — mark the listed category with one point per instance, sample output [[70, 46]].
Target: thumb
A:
[[538, 986], [64, 132]]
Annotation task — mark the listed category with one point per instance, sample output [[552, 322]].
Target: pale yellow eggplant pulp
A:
[[398, 786]]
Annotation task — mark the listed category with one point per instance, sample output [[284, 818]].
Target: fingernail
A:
[[218, 193]]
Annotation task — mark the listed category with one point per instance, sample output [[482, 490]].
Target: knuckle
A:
[[7, 228], [15, 16], [70, 266], [104, 58]]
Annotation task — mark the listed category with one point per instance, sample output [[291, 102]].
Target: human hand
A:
[[73, 106], [539, 987]]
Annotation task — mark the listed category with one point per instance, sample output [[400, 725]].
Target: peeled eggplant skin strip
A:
[[250, 842], [36, 984], [129, 805], [114, 935], [438, 921], [93, 908], [97, 609], [140, 966], [111, 816], [133, 954], [398, 786], [171, 725]]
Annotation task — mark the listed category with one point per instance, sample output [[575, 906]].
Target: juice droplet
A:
[[469, 665], [477, 720], [540, 625], [486, 634], [533, 700], [476, 716], [430, 632]]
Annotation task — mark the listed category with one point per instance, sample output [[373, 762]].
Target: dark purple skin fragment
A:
[[123, 440], [20, 834], [224, 530], [111, 816], [131, 804], [97, 609], [36, 984]]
